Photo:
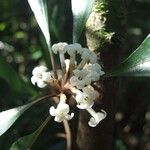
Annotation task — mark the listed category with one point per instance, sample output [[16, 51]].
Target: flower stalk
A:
[[52, 60]]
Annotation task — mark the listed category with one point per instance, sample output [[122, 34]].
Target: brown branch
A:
[[68, 134]]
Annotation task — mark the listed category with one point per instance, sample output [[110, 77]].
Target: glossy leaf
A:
[[27, 141], [8, 117], [81, 10], [137, 64], [39, 9]]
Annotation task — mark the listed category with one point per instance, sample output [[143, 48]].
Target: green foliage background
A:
[[22, 47]]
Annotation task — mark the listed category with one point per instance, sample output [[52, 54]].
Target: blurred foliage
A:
[[132, 128], [22, 47]]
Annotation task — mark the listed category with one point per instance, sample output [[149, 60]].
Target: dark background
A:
[[22, 46]]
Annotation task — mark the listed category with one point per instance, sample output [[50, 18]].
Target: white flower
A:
[[95, 67], [95, 71], [80, 78], [86, 98], [61, 112], [96, 117], [85, 76], [59, 47], [40, 76], [73, 48], [87, 57]]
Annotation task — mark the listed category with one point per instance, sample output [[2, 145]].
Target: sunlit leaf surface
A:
[[39, 9], [81, 10], [8, 117], [137, 64]]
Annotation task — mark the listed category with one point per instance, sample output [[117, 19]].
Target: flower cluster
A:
[[76, 78]]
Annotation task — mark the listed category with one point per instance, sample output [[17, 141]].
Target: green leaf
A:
[[8, 117], [81, 10], [27, 141], [39, 9], [137, 64]]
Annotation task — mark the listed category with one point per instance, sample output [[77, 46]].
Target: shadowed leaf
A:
[[27, 141], [137, 64]]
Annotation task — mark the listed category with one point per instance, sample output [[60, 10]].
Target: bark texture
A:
[[105, 34]]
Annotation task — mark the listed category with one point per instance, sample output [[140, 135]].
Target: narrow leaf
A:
[[81, 10], [39, 9], [137, 64], [8, 117], [27, 141]]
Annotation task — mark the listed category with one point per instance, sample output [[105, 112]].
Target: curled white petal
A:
[[61, 112], [41, 84], [59, 47], [52, 111], [73, 48], [34, 80], [96, 117], [69, 117], [39, 69]]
